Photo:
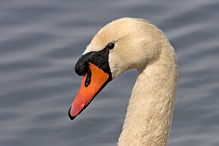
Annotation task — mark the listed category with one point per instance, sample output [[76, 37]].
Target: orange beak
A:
[[97, 80]]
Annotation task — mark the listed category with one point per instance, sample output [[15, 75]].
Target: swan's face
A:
[[119, 46]]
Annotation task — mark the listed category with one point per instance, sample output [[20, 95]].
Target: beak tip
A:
[[69, 114]]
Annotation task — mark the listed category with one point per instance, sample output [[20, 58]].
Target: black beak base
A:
[[98, 58]]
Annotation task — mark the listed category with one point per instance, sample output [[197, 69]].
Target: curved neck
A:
[[150, 111]]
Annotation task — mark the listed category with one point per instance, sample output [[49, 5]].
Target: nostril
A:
[[88, 79]]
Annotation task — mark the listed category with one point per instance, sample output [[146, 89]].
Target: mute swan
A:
[[125, 44]]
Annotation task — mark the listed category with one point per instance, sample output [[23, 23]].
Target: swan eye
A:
[[110, 46]]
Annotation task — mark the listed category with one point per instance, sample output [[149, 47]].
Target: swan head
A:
[[121, 45]]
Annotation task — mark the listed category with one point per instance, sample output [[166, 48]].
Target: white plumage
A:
[[141, 45]]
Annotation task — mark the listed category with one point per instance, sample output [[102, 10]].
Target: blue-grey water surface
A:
[[41, 40]]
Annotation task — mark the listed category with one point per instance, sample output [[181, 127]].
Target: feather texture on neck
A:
[[150, 111]]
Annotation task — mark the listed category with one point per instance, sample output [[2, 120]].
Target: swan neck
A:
[[150, 111]]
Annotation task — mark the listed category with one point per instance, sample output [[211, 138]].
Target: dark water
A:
[[40, 41]]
